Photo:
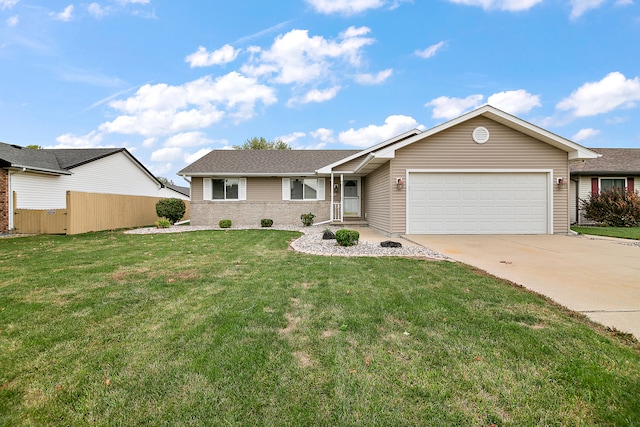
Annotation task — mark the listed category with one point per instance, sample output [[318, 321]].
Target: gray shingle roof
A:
[[264, 161], [182, 190], [614, 161], [20, 157], [72, 157]]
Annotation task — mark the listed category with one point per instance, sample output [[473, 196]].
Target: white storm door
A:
[[351, 197]]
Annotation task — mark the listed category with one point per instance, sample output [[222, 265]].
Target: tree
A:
[[165, 181], [259, 143], [34, 147], [173, 209]]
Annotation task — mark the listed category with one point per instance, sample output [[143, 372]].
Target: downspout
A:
[[577, 185]]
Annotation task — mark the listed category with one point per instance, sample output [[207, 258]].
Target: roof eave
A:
[[23, 168]]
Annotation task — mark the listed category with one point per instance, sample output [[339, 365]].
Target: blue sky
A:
[[171, 80]]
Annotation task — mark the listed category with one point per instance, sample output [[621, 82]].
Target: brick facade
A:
[[248, 213], [4, 201]]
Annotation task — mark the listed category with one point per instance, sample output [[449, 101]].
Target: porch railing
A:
[[337, 211]]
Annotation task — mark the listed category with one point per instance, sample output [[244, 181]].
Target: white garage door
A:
[[477, 203]]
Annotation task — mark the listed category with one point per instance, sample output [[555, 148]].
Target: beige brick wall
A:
[[249, 213], [4, 201]]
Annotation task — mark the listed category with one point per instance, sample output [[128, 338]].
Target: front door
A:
[[351, 197]]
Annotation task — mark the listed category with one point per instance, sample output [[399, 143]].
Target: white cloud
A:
[[624, 2], [190, 158], [149, 142], [373, 79], [297, 58], [585, 134], [431, 50], [449, 108], [612, 92], [315, 95], [12, 21], [202, 58], [188, 139], [578, 7], [163, 109], [292, 137], [69, 140], [166, 154], [66, 15], [125, 2], [345, 7], [507, 5], [373, 134], [8, 4], [96, 10], [323, 134], [514, 101]]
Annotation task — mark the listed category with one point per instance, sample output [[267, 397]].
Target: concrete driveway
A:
[[599, 277]]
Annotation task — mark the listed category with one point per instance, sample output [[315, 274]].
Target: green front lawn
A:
[[621, 232], [231, 328]]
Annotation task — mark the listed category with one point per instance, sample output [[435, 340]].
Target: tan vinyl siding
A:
[[506, 149], [264, 189], [377, 204], [196, 189], [350, 165]]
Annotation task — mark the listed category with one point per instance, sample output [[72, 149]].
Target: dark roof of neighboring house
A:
[[264, 161], [614, 161], [14, 156], [73, 157], [56, 160], [182, 190]]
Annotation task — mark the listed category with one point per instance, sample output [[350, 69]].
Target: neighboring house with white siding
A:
[[41, 178], [485, 172], [616, 167]]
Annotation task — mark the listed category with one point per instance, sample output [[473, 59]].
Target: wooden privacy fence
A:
[[90, 212]]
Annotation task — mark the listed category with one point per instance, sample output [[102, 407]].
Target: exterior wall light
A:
[[562, 183], [400, 183]]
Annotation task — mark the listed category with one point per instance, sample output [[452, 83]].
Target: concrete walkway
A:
[[599, 277]]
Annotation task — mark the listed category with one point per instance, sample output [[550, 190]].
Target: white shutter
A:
[[286, 189], [242, 189], [207, 191], [321, 184]]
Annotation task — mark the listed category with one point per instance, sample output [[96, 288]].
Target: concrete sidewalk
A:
[[599, 277]]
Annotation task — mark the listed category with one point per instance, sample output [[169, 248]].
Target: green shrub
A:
[[225, 223], [346, 237], [163, 223], [307, 219], [173, 209], [266, 222], [614, 208]]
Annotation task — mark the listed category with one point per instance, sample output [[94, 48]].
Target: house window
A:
[[609, 183], [225, 188], [303, 188]]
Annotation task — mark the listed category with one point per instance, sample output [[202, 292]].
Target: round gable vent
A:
[[480, 135]]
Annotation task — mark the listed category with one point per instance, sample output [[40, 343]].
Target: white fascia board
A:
[[576, 151], [327, 169]]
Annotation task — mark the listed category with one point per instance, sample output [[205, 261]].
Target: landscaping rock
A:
[[390, 244], [328, 235]]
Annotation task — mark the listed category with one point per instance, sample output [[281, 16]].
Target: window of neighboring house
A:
[[609, 183], [303, 188], [224, 188]]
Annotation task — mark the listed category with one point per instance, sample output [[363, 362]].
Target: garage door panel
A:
[[478, 203]]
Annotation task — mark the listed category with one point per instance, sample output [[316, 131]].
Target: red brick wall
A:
[[4, 201]]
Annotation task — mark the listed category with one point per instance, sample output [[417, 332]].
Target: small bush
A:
[[163, 223], [173, 209], [345, 237], [307, 219], [614, 208], [266, 222], [225, 223]]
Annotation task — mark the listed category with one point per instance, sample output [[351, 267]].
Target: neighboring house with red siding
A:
[[617, 167], [485, 172]]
